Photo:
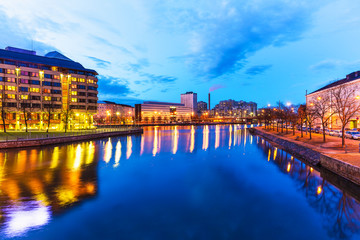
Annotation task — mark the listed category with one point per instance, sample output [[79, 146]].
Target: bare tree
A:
[[26, 109], [322, 110], [65, 117], [310, 118], [293, 117], [301, 117], [346, 105]]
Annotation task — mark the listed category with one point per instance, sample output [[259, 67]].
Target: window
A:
[[92, 88], [91, 101], [25, 81], [46, 83], [47, 98], [81, 73], [74, 100], [56, 84], [10, 71], [10, 96], [10, 88], [33, 65], [92, 95], [25, 73], [35, 82], [72, 71], [22, 64], [9, 62], [34, 74], [2, 79], [74, 93], [13, 80], [24, 89], [82, 94], [82, 100], [46, 68], [74, 79], [73, 85], [36, 105], [35, 90], [90, 81], [81, 86], [81, 79], [56, 77], [24, 97], [55, 69], [35, 98], [55, 91], [48, 76], [45, 90]]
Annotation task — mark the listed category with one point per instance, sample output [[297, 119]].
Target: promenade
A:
[[332, 147]]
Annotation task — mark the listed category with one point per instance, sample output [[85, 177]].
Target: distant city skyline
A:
[[261, 51]]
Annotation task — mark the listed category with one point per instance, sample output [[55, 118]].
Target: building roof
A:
[[164, 103], [52, 59], [109, 102], [349, 78]]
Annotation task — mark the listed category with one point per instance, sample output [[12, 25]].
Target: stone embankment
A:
[[64, 139], [312, 155]]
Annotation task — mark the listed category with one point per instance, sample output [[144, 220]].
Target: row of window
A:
[[42, 67], [74, 86]]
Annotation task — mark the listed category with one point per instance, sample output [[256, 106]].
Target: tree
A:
[[322, 110], [310, 118], [65, 117], [50, 108], [26, 109], [301, 117], [346, 105], [293, 117]]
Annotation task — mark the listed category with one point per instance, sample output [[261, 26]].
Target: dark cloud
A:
[[256, 70], [158, 79], [100, 63], [113, 86], [224, 39]]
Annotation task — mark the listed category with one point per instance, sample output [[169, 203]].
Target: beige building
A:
[[162, 112], [352, 81], [34, 88], [114, 113]]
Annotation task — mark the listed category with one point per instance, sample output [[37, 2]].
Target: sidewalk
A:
[[332, 147]]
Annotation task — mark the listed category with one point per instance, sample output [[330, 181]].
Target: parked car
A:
[[329, 131], [352, 134], [337, 133]]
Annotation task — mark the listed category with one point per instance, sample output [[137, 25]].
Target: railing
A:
[[35, 134]]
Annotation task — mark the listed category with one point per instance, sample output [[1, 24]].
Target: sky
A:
[[253, 50]]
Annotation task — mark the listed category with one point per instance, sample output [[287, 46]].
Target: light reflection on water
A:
[[39, 184]]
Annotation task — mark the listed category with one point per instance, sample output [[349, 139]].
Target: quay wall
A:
[[309, 154], [64, 139]]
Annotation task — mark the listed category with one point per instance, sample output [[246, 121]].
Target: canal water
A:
[[205, 182]]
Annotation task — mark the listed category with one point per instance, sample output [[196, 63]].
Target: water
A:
[[208, 182]]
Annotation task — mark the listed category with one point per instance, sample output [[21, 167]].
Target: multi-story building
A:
[[235, 108], [37, 90], [162, 112], [352, 83], [114, 113], [202, 107], [189, 99]]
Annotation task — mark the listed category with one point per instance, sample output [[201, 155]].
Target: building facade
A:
[[235, 108], [202, 107], [162, 112], [50, 91], [189, 99], [114, 113], [352, 83]]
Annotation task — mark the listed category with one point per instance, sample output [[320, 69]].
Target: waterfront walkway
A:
[[332, 147]]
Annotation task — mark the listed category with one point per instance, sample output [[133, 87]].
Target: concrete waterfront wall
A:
[[65, 139], [344, 169], [306, 153], [309, 154]]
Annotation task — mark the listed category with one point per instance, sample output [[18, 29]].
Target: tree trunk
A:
[[293, 129], [310, 131], [3, 119], [324, 138], [343, 135], [301, 130]]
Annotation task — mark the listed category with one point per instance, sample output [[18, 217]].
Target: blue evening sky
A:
[[258, 50]]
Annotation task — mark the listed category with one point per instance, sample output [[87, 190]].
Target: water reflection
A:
[[34, 184], [340, 208]]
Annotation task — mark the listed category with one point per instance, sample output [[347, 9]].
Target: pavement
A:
[[331, 147]]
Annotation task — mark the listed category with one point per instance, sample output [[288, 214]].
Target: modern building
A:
[[189, 99], [162, 112], [235, 108], [114, 113], [202, 107], [352, 81], [41, 91]]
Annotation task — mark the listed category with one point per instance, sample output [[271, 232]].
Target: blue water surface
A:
[[205, 182]]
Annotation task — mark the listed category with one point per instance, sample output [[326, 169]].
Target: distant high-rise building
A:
[[189, 99], [202, 106]]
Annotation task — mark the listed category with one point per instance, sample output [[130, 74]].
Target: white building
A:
[[189, 99]]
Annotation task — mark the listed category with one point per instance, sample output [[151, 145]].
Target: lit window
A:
[[10, 88], [74, 79], [74, 93], [81, 80], [35, 90], [24, 97], [47, 98], [74, 100]]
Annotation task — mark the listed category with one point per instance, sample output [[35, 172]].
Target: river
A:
[[179, 182]]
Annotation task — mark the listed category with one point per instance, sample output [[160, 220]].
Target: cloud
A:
[[256, 70], [158, 79], [332, 64], [136, 67], [113, 86], [225, 33], [100, 63]]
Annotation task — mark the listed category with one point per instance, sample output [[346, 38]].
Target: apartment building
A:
[[114, 113], [38, 89]]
